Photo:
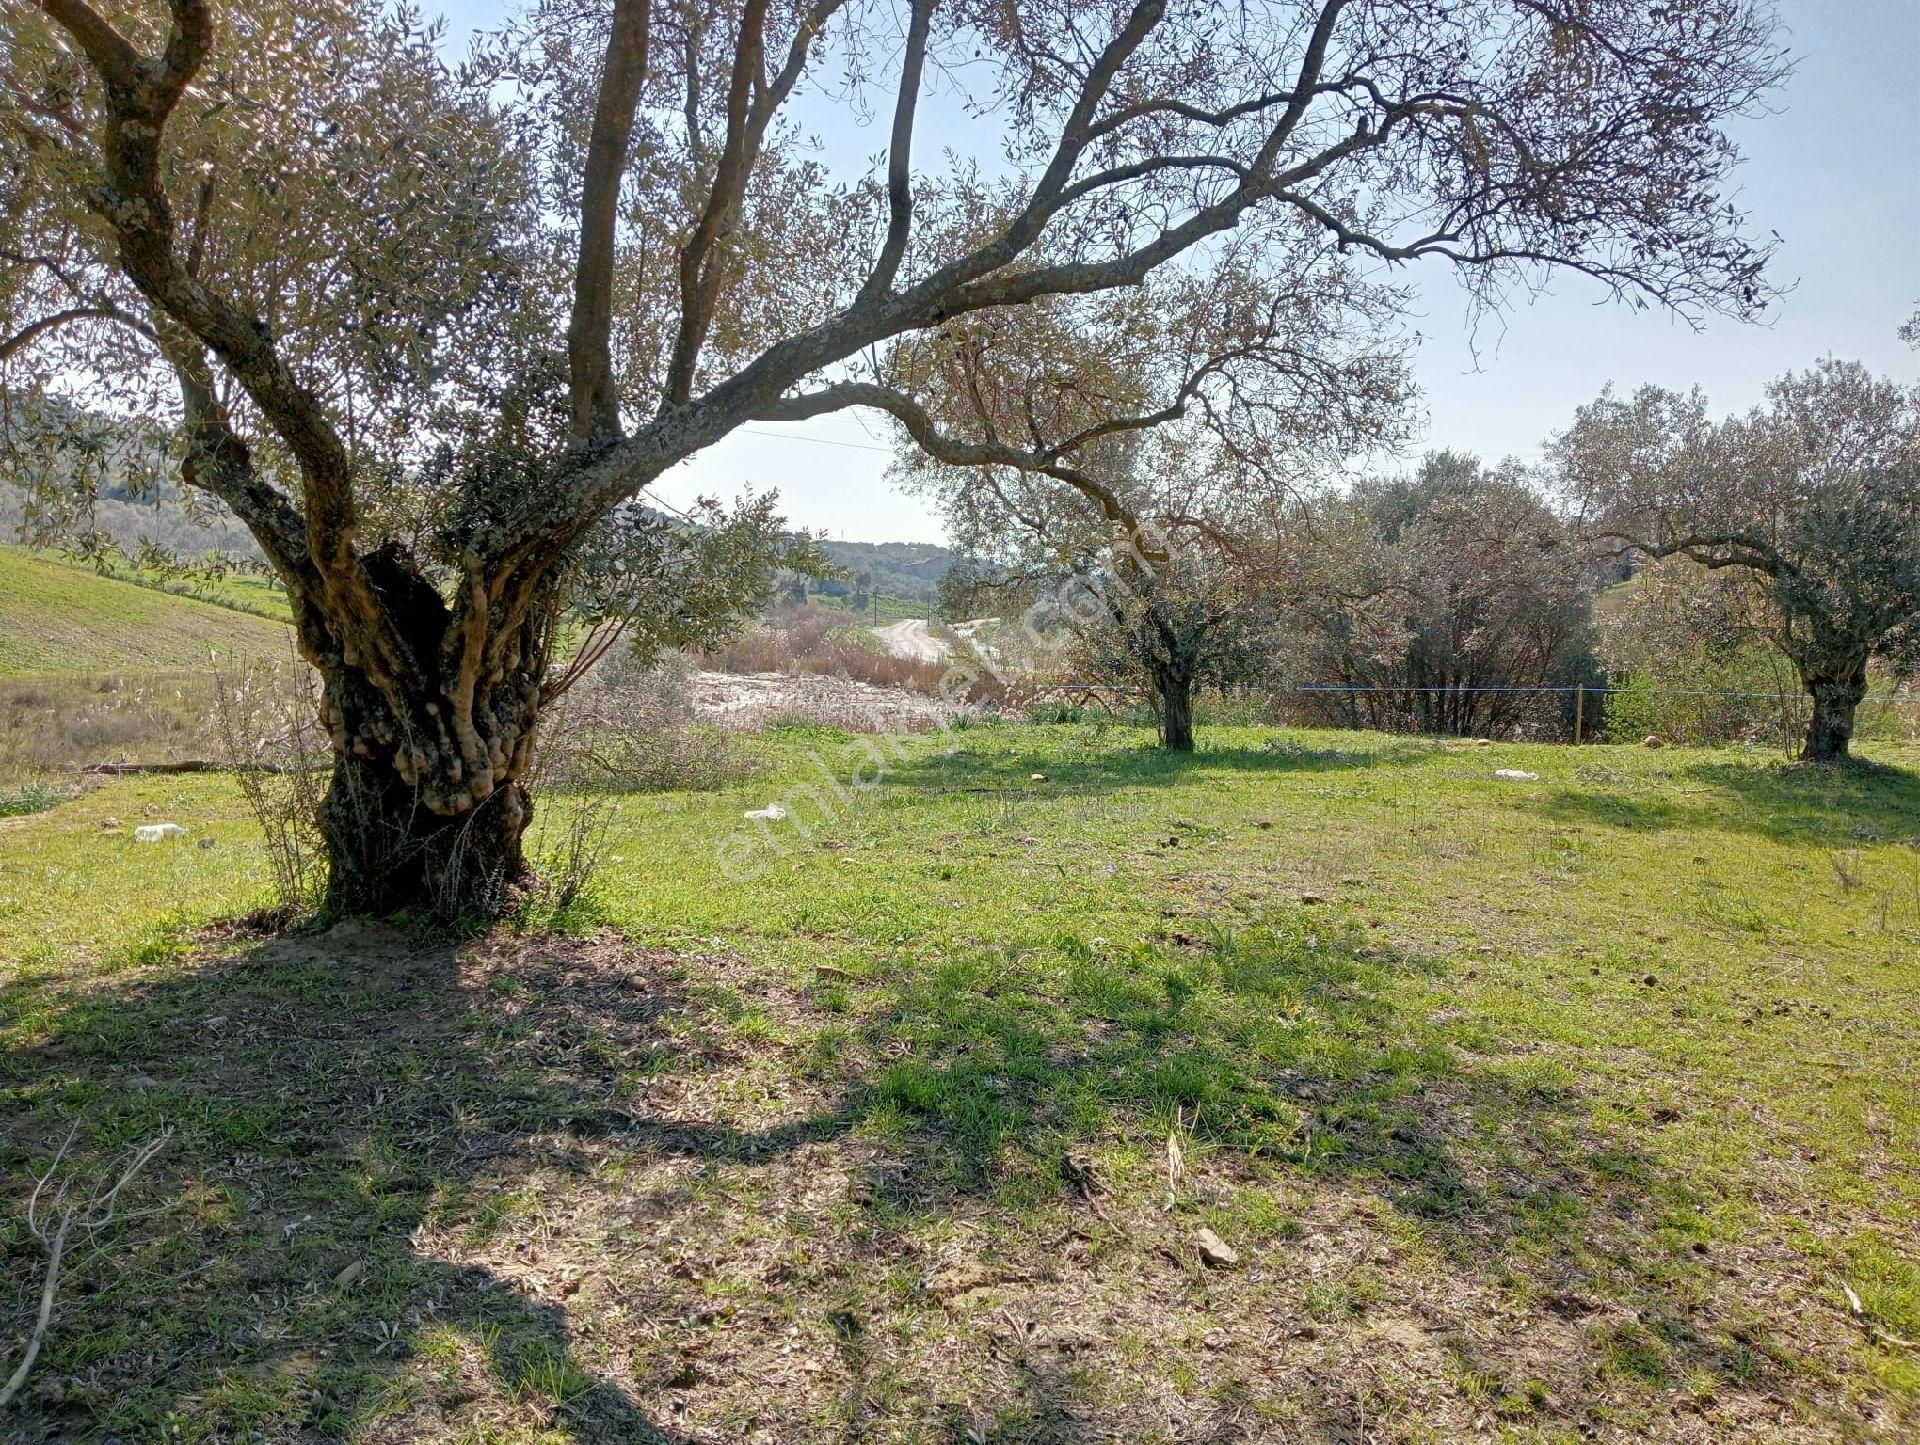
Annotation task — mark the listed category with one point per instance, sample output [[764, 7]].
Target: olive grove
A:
[[426, 330], [1150, 452]]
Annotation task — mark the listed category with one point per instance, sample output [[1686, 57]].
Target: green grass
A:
[[1535, 1111], [255, 592], [60, 617], [878, 612], [30, 798]]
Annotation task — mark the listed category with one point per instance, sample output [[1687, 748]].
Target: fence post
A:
[[1579, 712]]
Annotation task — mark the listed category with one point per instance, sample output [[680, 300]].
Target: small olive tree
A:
[[1816, 491], [1150, 450], [1126, 610]]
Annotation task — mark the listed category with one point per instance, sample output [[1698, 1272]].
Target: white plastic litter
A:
[[157, 832], [1514, 775], [773, 812]]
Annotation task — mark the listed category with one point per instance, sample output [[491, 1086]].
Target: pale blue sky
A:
[[1833, 172]]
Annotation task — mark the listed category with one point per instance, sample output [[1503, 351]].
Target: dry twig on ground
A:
[[56, 1211]]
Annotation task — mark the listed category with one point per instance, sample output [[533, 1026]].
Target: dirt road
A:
[[912, 640]]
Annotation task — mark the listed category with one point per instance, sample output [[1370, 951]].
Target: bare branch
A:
[[219, 462], [926, 434], [1712, 550], [596, 413], [899, 158], [135, 204], [752, 102], [54, 1224]]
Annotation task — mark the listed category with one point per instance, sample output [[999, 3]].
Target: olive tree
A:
[[1467, 603], [1150, 450], [606, 243], [1816, 492], [1154, 615]]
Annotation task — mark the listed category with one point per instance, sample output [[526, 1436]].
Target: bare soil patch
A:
[[751, 702]]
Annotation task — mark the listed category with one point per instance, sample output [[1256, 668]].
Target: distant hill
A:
[[57, 616], [137, 494], [891, 569]]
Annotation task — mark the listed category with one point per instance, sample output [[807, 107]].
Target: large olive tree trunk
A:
[[432, 736], [388, 851], [1835, 700]]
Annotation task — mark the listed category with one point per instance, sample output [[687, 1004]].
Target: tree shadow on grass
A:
[[1274, 1057], [1789, 803], [571, 1189], [330, 1098], [1100, 767]]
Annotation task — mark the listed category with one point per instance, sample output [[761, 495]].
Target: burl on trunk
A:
[[428, 807]]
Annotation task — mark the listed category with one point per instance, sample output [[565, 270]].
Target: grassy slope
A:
[[1563, 1112], [57, 617]]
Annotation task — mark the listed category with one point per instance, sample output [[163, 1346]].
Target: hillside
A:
[[59, 617], [901, 569]]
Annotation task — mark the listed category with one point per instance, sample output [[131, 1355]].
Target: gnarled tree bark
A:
[[1836, 698], [428, 801]]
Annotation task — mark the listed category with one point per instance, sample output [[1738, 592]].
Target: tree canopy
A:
[[1817, 491], [1152, 450], [1470, 597]]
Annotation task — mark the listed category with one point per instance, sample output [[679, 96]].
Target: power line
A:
[[818, 441]]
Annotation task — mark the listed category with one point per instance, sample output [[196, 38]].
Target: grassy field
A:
[[121, 668], [881, 610], [1573, 1109], [56, 616]]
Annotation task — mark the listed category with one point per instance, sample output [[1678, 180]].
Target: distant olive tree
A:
[[1468, 602], [1689, 655], [1816, 491], [1204, 619], [424, 330], [1119, 610], [1152, 449]]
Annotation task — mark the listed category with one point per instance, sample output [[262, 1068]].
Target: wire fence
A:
[[1589, 690], [1586, 712], [1549, 712]]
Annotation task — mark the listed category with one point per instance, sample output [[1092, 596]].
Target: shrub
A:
[[631, 729], [1057, 712], [811, 642], [33, 798], [776, 644], [265, 718], [1714, 696]]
